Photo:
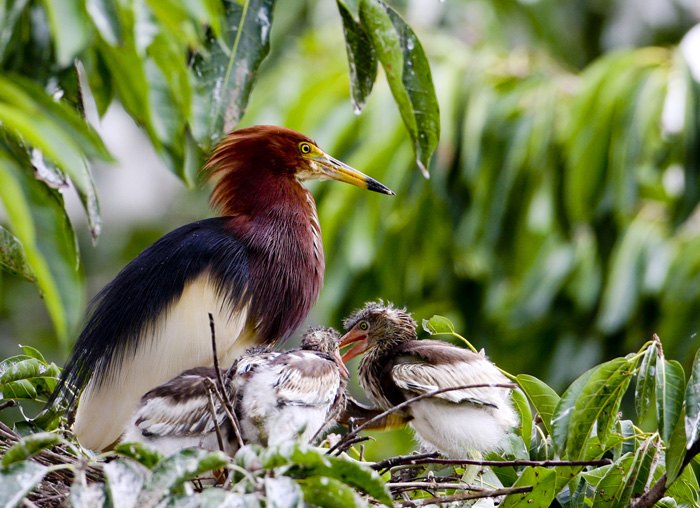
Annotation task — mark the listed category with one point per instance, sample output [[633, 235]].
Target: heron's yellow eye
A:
[[305, 148], [364, 326]]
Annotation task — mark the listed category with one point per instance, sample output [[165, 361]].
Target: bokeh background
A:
[[559, 227]]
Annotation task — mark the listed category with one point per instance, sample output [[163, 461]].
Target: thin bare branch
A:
[[215, 418], [220, 380], [468, 495], [406, 403]]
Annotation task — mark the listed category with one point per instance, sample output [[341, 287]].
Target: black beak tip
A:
[[375, 186]]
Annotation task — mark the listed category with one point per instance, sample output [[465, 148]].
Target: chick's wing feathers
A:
[[306, 379], [179, 407], [425, 366]]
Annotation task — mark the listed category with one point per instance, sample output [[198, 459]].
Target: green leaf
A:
[[611, 486], [641, 470], [561, 415], [172, 472], [523, 407], [676, 450], [18, 480], [144, 454], [594, 397], [543, 490], [542, 397], [646, 381], [438, 325], [282, 492], [362, 59], [39, 221], [29, 446], [310, 461], [228, 69], [124, 480], [670, 388], [87, 495], [12, 257], [692, 404], [408, 72], [327, 492], [34, 353]]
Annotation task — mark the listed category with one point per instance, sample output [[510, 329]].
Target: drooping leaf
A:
[[71, 28], [362, 59], [227, 72], [282, 492], [646, 381], [408, 73], [670, 388], [39, 221], [12, 257], [542, 397], [640, 471], [84, 495]]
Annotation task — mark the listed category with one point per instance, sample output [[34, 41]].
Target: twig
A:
[[469, 495], [215, 418], [432, 485], [408, 402], [225, 400], [402, 459], [8, 403]]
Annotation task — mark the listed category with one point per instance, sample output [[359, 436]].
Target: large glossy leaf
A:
[[39, 221], [228, 69], [692, 404], [408, 73], [542, 397], [561, 415], [670, 391], [641, 470], [12, 257], [543, 489], [523, 408], [124, 480], [676, 450], [597, 396], [362, 59], [610, 488]]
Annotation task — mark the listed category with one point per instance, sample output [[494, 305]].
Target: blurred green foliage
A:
[[559, 227]]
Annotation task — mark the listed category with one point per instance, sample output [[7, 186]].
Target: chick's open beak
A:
[[337, 170], [351, 337]]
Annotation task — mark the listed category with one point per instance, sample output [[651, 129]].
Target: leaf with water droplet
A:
[[408, 73]]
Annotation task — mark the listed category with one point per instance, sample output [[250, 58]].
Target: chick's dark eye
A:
[[304, 148], [364, 326]]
